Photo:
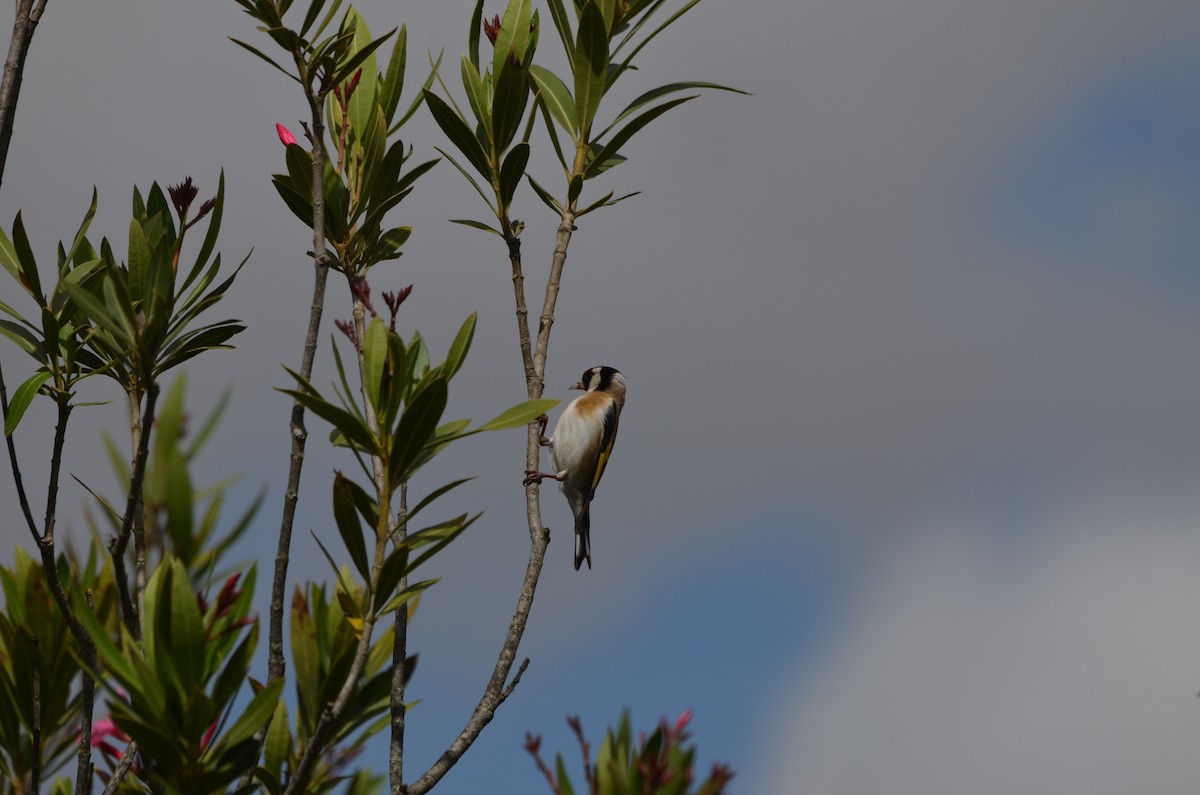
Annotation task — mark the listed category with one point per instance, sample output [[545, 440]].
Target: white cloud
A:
[[1069, 667]]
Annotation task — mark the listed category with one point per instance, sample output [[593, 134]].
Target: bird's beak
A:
[[577, 385]]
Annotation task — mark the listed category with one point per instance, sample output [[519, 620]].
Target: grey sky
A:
[[822, 302]]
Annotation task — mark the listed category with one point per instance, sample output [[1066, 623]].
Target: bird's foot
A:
[[543, 421], [533, 476]]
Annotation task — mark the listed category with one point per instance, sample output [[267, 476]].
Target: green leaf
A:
[[26, 262], [624, 134], [305, 654], [433, 495], [477, 97], [513, 37], [255, 716], [605, 201], [139, 262], [416, 426], [590, 65], [470, 178], [564, 781], [374, 358], [407, 595], [556, 97], [393, 81], [185, 627], [627, 63], [662, 91], [508, 104], [545, 196], [395, 566], [279, 740], [350, 426], [476, 30], [22, 397], [459, 133], [26, 341], [563, 25], [349, 66], [361, 106], [520, 414], [264, 56], [460, 346], [472, 224], [349, 526]]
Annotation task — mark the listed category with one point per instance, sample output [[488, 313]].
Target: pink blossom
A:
[[285, 135]]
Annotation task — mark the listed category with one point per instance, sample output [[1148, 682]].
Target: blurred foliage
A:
[[658, 764], [35, 645]]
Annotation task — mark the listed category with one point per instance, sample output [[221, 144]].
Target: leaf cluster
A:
[[36, 645], [659, 764], [130, 320], [323, 643], [180, 681], [497, 99]]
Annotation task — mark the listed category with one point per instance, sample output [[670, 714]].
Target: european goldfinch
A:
[[581, 446]]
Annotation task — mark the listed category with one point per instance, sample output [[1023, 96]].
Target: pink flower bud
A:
[[285, 135]]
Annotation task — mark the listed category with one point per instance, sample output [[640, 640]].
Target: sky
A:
[[904, 495]]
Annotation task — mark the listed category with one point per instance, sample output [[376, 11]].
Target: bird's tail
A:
[[583, 538]]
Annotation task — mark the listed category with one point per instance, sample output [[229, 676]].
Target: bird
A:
[[581, 446]]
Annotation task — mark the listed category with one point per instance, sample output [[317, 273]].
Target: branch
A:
[[18, 481], [87, 696], [539, 535], [14, 69], [495, 693], [332, 712], [518, 278], [126, 762], [36, 773], [399, 663], [133, 509], [276, 664]]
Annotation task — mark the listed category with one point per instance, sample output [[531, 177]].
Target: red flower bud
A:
[[285, 135], [491, 28]]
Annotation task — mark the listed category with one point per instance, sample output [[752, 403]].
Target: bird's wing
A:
[[612, 416]]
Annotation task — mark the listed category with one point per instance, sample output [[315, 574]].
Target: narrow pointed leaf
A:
[[476, 225], [590, 65], [459, 133], [21, 399], [349, 526], [520, 414], [556, 97], [545, 196], [374, 358], [625, 133]]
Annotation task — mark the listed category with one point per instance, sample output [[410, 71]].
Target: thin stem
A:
[[28, 14], [276, 665], [133, 509], [18, 481], [333, 711], [45, 545], [496, 692], [123, 765], [399, 662], [518, 279], [87, 698], [36, 773], [136, 429]]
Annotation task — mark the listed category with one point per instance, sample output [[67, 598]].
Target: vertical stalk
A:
[[36, 772], [28, 14], [399, 662], [276, 665]]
